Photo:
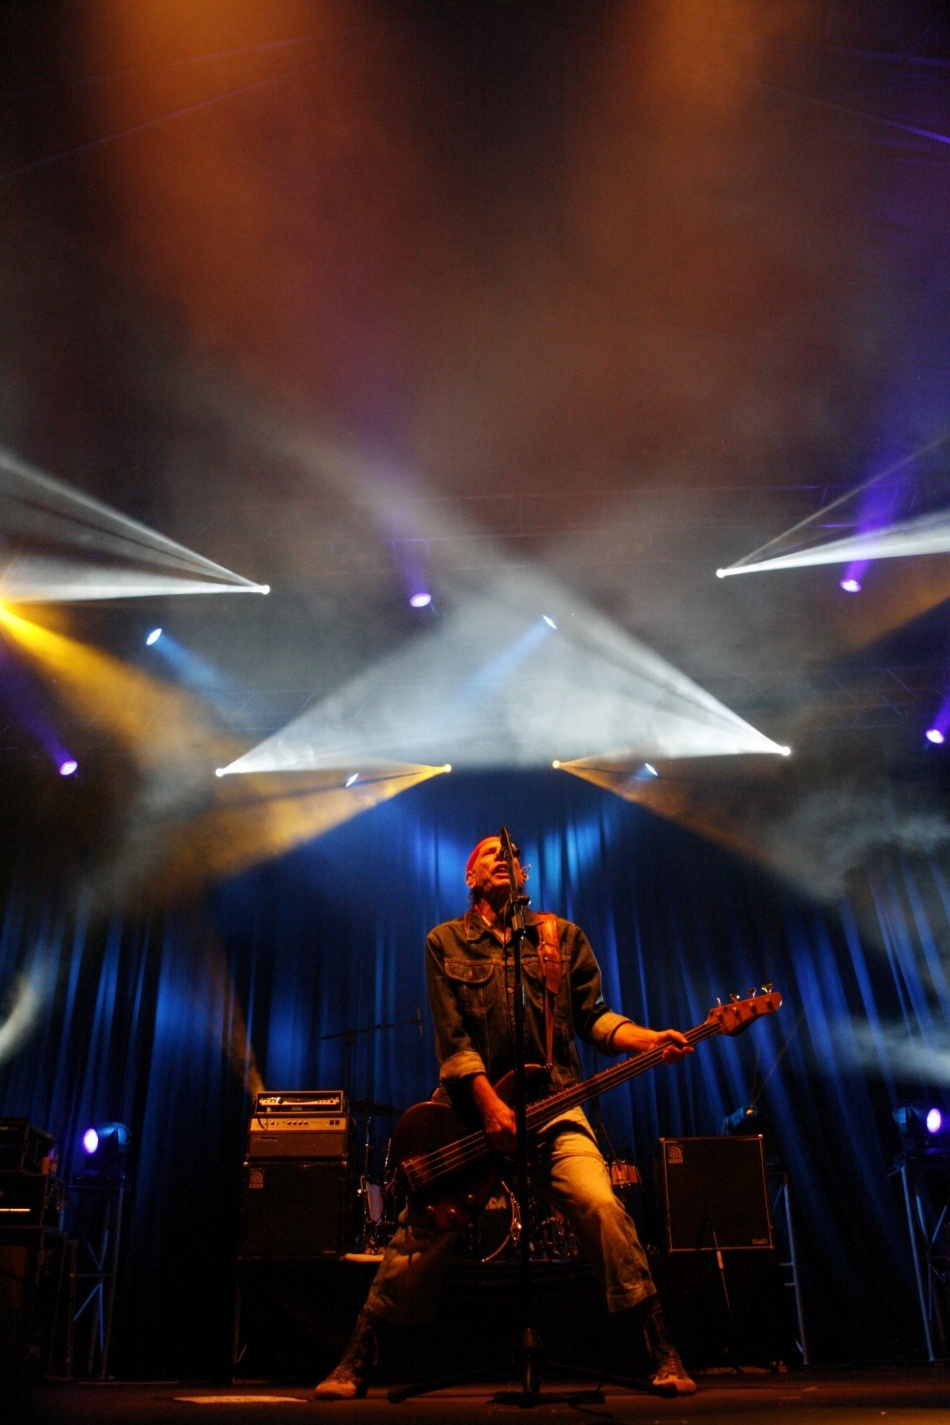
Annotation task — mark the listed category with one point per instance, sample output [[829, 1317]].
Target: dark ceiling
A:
[[614, 292]]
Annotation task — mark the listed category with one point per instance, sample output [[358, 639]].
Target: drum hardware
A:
[[378, 1225], [624, 1179], [494, 1232], [553, 1239], [624, 1174]]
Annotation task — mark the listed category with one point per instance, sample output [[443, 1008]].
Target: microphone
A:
[[509, 852]]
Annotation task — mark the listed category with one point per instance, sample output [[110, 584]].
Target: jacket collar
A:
[[476, 925]]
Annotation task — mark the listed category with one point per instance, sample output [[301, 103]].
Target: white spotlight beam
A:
[[927, 534], [568, 696], [33, 503], [761, 558], [43, 581]]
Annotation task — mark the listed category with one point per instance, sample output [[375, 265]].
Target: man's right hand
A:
[[497, 1117]]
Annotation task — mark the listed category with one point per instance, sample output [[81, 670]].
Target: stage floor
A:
[[901, 1396]]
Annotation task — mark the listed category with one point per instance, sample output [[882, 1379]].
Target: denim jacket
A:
[[470, 977]]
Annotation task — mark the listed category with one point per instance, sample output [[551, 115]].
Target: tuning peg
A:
[[734, 998], [719, 1002], [767, 989], [750, 994]]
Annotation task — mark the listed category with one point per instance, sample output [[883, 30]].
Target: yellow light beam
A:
[[678, 801], [154, 720], [251, 824]]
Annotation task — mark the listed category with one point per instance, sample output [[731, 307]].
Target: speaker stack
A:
[[296, 1197], [717, 1266], [36, 1259], [298, 1220]]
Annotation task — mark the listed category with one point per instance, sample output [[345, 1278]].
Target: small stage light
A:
[[153, 637], [934, 735], [850, 586], [741, 1121], [219, 771], [420, 600], [922, 1128], [550, 622], [105, 1146], [264, 589], [350, 780], [555, 764], [720, 573], [67, 768], [447, 767]]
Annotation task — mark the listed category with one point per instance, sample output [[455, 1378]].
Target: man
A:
[[469, 975]]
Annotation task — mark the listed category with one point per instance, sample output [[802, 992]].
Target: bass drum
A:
[[495, 1232]]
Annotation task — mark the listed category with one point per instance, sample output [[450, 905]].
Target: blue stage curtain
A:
[[158, 1016]]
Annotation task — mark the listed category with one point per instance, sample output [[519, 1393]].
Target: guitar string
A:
[[441, 1161], [451, 1158]]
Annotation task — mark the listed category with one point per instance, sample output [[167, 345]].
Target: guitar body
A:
[[454, 1197]]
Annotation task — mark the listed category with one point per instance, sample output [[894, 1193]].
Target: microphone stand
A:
[[530, 1350]]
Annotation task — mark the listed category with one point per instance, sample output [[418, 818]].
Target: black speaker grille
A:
[[712, 1192], [293, 1209]]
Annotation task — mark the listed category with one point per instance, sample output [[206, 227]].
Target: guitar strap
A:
[[549, 964]]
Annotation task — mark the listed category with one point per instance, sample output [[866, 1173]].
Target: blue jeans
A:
[[570, 1173]]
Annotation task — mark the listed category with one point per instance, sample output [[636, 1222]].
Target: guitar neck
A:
[[547, 1109]]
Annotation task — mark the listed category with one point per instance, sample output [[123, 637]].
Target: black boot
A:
[[350, 1378], [667, 1372]]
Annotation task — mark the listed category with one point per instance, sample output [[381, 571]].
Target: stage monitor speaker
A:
[[712, 1192], [296, 1209]]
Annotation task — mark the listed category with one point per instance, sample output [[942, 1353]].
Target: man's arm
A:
[[632, 1038], [459, 1061], [497, 1116]]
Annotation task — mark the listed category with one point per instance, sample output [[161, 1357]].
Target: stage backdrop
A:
[[161, 1018]]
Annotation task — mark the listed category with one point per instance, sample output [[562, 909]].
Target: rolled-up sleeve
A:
[[594, 1021], [458, 1057]]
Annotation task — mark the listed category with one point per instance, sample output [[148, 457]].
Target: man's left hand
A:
[[674, 1045], [637, 1039]]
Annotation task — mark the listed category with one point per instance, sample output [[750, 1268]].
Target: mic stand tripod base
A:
[[530, 1394]]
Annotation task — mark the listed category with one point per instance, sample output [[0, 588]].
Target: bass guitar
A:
[[449, 1170]]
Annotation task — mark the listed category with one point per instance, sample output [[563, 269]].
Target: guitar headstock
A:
[[738, 1014]]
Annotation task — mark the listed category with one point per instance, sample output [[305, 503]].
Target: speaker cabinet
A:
[[37, 1270], [296, 1209], [711, 1193], [717, 1269]]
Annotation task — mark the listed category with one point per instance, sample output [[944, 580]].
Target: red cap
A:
[[474, 856]]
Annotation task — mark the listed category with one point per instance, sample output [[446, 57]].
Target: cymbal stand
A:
[[349, 1036]]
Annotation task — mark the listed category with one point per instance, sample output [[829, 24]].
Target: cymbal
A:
[[373, 1109]]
